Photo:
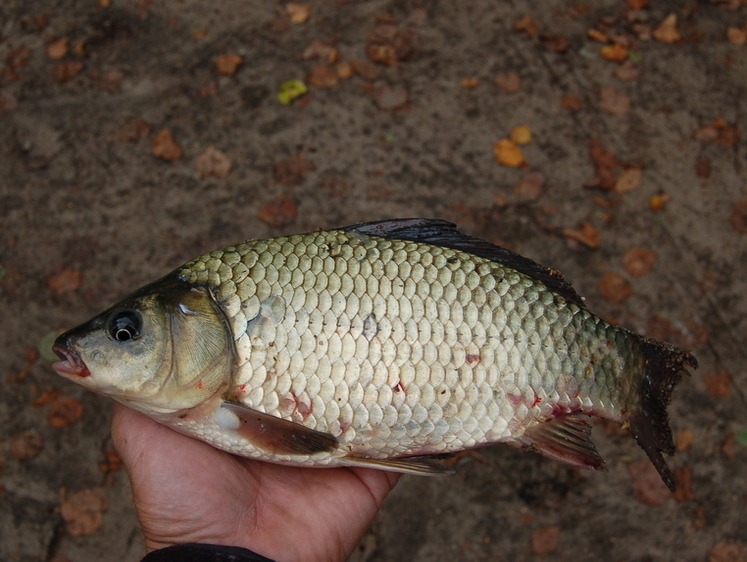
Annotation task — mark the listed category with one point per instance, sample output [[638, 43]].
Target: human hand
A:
[[187, 491]]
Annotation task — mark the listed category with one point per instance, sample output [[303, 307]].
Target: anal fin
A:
[[565, 439], [279, 436], [421, 465]]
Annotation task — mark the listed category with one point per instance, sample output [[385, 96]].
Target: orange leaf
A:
[[227, 65], [658, 201], [638, 261], [58, 48], [615, 52], [587, 235], [628, 180], [280, 211], [84, 511], [526, 24], [509, 82], [572, 102], [469, 83], [614, 288], [322, 76], [46, 397], [165, 147], [736, 35], [64, 412], [521, 134], [507, 153], [297, 12], [667, 31], [685, 439]]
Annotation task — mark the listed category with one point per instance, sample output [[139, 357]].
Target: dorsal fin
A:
[[444, 234]]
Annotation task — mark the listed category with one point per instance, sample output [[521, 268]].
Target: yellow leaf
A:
[[507, 153]]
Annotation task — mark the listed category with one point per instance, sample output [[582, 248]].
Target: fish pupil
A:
[[125, 325]]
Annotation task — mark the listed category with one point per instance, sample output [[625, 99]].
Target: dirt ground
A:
[[402, 120]]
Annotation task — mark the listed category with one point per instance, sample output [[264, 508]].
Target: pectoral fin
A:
[[422, 466], [279, 436], [566, 439]]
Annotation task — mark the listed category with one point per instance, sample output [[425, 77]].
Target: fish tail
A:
[[648, 421]]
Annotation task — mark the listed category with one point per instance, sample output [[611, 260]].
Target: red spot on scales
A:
[[515, 399], [200, 385], [537, 400], [473, 359], [399, 387]]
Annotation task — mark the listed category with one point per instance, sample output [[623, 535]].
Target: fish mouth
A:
[[71, 364]]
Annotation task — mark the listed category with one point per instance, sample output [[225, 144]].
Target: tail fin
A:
[[649, 422]]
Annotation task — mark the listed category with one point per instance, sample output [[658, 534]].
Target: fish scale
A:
[[472, 306]]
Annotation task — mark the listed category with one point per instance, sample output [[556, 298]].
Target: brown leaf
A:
[[739, 218], [727, 552], [317, 49], [382, 53], [280, 211], [614, 288], [521, 134], [627, 72], [628, 180], [685, 439], [614, 52], [64, 281], [636, 4], [509, 82], [228, 65], [555, 43], [683, 482], [46, 397], [469, 83], [390, 97], [658, 201], [322, 76], [572, 102], [344, 70], [64, 411], [604, 162], [639, 261], [292, 172], [718, 384], [297, 12], [667, 31], [587, 235], [111, 463], [58, 48], [530, 186], [64, 71], [648, 486], [26, 445], [365, 69], [613, 101], [545, 540], [597, 35], [506, 152], [736, 35], [213, 162], [165, 147], [84, 511], [526, 24]]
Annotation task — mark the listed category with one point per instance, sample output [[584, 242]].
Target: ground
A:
[[633, 184]]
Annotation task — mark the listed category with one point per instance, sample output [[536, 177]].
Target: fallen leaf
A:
[[572, 102], [297, 12], [628, 180], [46, 397], [66, 280], [507, 153], [718, 384], [636, 4], [228, 65], [292, 172], [509, 82], [739, 218], [685, 439], [322, 76], [614, 52], [667, 31], [605, 162], [213, 162], [639, 261], [586, 234], [280, 211], [526, 24], [64, 71], [111, 463], [521, 134], [390, 97], [64, 411], [469, 83], [614, 288], [291, 90], [382, 53], [365, 69], [648, 486], [597, 35], [320, 50], [736, 35], [555, 43], [683, 484], [530, 186], [613, 101], [165, 147], [727, 552], [627, 72], [58, 48], [84, 511], [658, 201], [26, 445], [545, 540], [344, 70]]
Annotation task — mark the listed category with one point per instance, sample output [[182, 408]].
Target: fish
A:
[[388, 344]]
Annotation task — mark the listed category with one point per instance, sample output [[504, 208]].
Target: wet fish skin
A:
[[380, 345]]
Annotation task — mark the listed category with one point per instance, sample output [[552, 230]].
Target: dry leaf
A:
[[667, 31], [526, 24], [390, 97], [613, 101], [292, 172], [658, 201], [683, 484], [521, 134], [614, 288], [555, 43], [636, 4], [26, 445], [509, 82], [297, 12], [545, 540], [64, 281], [84, 511], [627, 72], [64, 71], [718, 384], [572, 102], [164, 146], [319, 49], [530, 186], [736, 35], [639, 261], [213, 162], [587, 235], [365, 69], [615, 52], [727, 552], [112, 461], [227, 65], [344, 70], [58, 48], [279, 212], [685, 439], [648, 486], [47, 396], [597, 35], [604, 162], [322, 76], [739, 218], [64, 412], [628, 180], [469, 83], [507, 153]]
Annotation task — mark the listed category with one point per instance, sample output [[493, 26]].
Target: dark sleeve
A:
[[204, 553]]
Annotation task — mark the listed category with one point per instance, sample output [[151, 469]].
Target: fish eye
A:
[[125, 325]]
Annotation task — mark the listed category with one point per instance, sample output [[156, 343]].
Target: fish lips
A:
[[71, 365]]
